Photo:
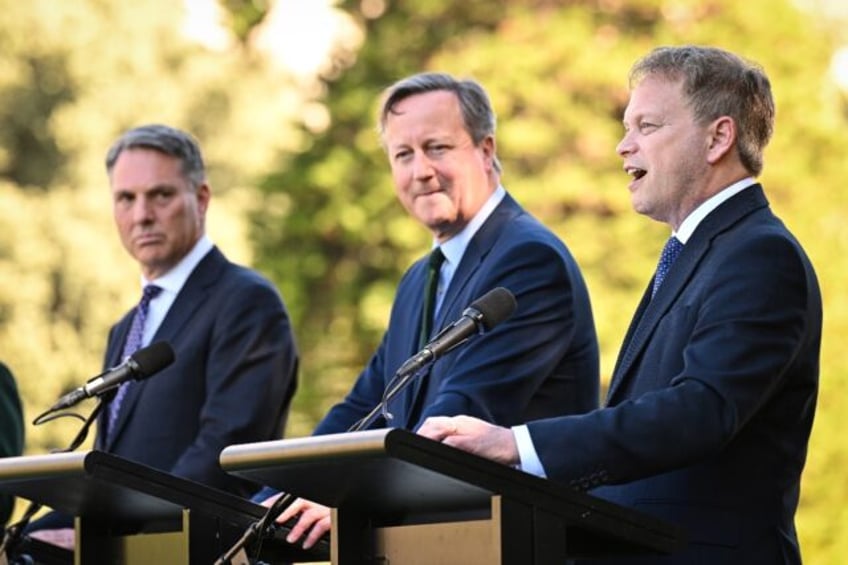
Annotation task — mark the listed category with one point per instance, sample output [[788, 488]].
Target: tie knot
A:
[[436, 258], [671, 250], [149, 292]]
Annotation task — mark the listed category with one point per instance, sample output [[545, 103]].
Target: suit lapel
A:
[[474, 254], [117, 338], [651, 311], [191, 297], [478, 248]]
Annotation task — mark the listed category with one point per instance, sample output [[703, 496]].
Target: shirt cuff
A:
[[530, 462]]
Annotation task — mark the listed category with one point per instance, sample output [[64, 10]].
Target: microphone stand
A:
[[13, 533], [257, 530]]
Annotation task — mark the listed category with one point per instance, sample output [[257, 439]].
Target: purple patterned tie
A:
[[133, 344], [672, 249]]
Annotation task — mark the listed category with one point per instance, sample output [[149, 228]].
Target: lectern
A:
[[402, 498], [130, 513]]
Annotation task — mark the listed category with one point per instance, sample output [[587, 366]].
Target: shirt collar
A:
[[687, 228], [455, 247], [173, 280]]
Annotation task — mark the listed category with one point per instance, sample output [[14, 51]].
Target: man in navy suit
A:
[[439, 134], [236, 360], [11, 430], [712, 398]]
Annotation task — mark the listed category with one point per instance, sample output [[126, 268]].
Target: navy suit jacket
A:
[[232, 380], [11, 430], [712, 399], [541, 361]]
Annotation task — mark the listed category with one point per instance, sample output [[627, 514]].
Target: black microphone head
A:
[[153, 358], [495, 306]]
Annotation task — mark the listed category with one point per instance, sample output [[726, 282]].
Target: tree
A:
[[334, 239], [72, 76]]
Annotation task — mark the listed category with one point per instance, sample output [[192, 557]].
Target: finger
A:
[[437, 427], [293, 510], [320, 528], [300, 527], [64, 537]]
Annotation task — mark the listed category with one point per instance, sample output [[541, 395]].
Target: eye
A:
[[438, 149], [647, 127], [124, 198]]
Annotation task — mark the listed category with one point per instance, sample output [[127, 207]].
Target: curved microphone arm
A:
[[13, 532], [482, 315]]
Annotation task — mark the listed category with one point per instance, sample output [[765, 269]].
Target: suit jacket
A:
[[712, 399], [541, 361], [232, 380], [11, 430]]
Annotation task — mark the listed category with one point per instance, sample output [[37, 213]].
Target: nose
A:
[[626, 146], [422, 168], [142, 210]]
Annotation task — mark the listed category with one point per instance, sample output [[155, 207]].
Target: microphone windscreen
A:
[[496, 306], [153, 358]]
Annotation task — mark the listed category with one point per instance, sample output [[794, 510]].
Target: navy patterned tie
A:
[[672, 249], [133, 344], [431, 286]]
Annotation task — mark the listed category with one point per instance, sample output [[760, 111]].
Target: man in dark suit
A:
[[712, 398], [11, 430], [439, 134], [236, 360]]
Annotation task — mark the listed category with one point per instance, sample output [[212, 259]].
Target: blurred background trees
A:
[[283, 95]]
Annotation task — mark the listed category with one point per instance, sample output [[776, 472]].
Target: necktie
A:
[[672, 249], [133, 344], [433, 267]]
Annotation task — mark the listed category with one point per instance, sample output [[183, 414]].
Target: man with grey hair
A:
[[439, 135], [711, 403], [236, 360]]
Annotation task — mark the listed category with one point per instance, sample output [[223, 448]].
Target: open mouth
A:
[[635, 172]]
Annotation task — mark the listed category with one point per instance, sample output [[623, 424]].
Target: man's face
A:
[[159, 215], [440, 176], [665, 151]]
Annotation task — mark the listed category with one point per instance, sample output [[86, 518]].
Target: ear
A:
[[488, 148], [204, 194], [722, 139]]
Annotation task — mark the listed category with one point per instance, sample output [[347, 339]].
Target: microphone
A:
[[484, 314], [142, 364]]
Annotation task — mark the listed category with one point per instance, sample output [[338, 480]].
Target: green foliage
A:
[[556, 72], [246, 15], [72, 76]]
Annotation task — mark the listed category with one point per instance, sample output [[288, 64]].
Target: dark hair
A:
[[718, 83], [164, 139], [477, 113]]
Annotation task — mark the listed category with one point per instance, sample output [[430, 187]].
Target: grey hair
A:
[[477, 113], [166, 140]]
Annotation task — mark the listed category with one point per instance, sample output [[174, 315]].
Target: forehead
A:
[[144, 168], [425, 112], [655, 95]]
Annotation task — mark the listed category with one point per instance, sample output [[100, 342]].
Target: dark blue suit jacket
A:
[[11, 430], [232, 380], [712, 399], [541, 361]]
